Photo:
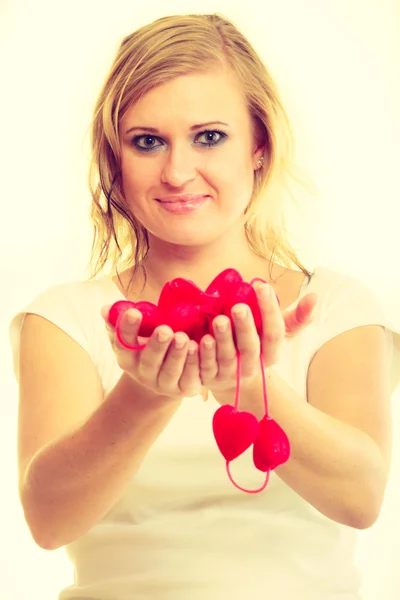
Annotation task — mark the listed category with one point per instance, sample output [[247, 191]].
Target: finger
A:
[[105, 311], [226, 353], [174, 362], [302, 315], [190, 382], [247, 339], [152, 356], [110, 328], [128, 328], [208, 360], [273, 326]]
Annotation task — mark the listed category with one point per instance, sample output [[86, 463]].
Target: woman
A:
[[117, 460]]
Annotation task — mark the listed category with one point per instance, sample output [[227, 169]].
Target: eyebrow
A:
[[193, 128]]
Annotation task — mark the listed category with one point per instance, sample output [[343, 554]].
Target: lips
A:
[[182, 199], [182, 205]]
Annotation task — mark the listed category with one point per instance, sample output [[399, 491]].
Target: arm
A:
[[341, 438], [76, 463]]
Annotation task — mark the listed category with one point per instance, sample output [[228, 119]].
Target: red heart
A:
[[185, 317], [224, 283], [118, 308], [180, 290], [272, 447], [185, 307], [150, 318], [148, 310], [234, 431]]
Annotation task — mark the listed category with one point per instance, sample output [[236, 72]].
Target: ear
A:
[[259, 152], [260, 137]]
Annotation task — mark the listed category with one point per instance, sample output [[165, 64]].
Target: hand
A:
[[168, 365], [218, 361]]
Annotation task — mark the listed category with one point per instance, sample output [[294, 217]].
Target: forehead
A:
[[192, 98]]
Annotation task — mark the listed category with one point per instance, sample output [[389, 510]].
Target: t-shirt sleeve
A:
[[353, 304], [58, 304]]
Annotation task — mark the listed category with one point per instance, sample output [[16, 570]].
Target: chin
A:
[[192, 237]]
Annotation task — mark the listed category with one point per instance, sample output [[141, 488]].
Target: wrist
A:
[[251, 393], [145, 396]]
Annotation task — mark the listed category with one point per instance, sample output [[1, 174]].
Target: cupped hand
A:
[[168, 365], [218, 354]]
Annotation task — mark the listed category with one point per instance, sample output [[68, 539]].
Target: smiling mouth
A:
[[182, 205], [184, 199]]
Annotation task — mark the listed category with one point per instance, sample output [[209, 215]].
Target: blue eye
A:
[[151, 139], [147, 138], [212, 133]]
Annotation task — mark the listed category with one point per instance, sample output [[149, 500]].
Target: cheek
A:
[[137, 179], [233, 181]]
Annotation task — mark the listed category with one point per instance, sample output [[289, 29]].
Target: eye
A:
[[210, 134], [148, 142]]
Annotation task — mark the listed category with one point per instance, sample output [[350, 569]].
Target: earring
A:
[[260, 162]]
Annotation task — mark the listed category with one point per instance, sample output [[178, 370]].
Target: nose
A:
[[179, 166]]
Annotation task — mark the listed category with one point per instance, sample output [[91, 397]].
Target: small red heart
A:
[[117, 308], [224, 283], [150, 318], [272, 447], [234, 431], [185, 317], [148, 310], [180, 290]]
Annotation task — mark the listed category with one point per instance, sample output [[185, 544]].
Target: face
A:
[[190, 136]]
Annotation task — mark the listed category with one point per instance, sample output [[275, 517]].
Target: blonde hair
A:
[[154, 54]]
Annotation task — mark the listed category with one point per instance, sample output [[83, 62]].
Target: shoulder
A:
[[74, 307], [337, 290], [70, 297], [347, 303]]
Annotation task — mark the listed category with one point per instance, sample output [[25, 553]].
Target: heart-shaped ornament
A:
[[226, 282], [149, 311], [272, 447], [180, 290], [234, 431], [185, 317]]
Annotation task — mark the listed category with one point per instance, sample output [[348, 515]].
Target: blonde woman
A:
[[192, 162]]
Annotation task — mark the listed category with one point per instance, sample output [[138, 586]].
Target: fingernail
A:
[[162, 336], [179, 343], [265, 291], [222, 326], [240, 313], [132, 317]]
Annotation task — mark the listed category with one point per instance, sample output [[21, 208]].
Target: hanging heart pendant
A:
[[234, 431], [272, 447]]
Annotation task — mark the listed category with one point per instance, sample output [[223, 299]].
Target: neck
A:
[[201, 264]]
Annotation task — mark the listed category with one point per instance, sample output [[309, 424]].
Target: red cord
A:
[[119, 338], [237, 397], [257, 491]]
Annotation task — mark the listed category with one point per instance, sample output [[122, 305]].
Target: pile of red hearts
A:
[[183, 306]]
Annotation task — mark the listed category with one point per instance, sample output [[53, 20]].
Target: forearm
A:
[[73, 481], [334, 466]]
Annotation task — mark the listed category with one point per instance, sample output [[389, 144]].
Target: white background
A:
[[337, 65]]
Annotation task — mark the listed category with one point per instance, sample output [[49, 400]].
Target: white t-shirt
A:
[[182, 531]]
